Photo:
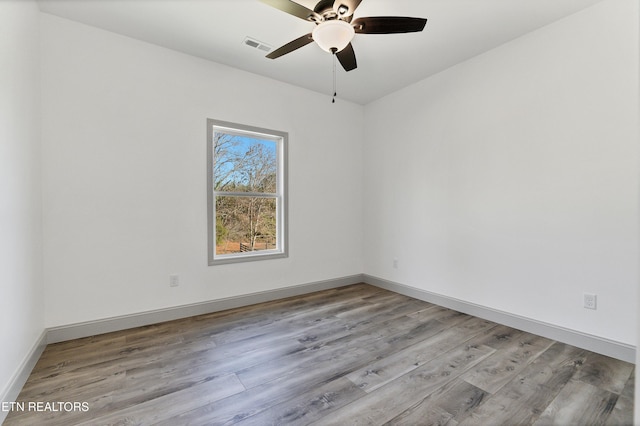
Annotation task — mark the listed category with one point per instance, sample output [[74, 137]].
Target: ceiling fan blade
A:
[[291, 46], [345, 8], [347, 58], [293, 8], [388, 25]]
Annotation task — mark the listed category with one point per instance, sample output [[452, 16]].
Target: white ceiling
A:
[[215, 29]]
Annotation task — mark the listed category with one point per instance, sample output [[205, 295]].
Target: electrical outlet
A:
[[590, 301], [174, 280], [395, 263]]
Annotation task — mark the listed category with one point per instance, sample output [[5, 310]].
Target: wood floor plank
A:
[[382, 371], [58, 357], [387, 402], [76, 381], [96, 395], [352, 355], [96, 352], [445, 406], [500, 337], [248, 403], [500, 368], [579, 403], [140, 385], [343, 327], [174, 403], [284, 325], [449, 407], [388, 337], [268, 312], [260, 398], [438, 312], [523, 399], [208, 361], [622, 413], [309, 406], [605, 372], [147, 410]]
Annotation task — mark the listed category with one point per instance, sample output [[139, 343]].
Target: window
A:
[[247, 187]]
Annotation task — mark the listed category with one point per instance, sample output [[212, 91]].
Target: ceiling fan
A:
[[335, 27]]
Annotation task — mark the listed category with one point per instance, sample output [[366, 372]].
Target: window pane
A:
[[245, 224], [246, 193], [244, 164]]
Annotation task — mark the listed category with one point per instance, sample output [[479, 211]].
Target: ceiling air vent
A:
[[256, 44]]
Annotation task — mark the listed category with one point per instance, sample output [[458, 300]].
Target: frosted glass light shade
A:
[[334, 34]]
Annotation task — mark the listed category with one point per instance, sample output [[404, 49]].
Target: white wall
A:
[[124, 148], [21, 302], [511, 180]]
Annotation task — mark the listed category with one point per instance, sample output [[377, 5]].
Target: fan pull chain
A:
[[335, 93]]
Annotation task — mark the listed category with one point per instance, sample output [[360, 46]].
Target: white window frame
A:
[[282, 234]]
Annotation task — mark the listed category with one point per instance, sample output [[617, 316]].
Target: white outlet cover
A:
[[590, 301], [174, 280]]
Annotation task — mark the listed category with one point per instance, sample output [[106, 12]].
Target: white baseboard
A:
[[11, 392], [107, 325], [590, 342]]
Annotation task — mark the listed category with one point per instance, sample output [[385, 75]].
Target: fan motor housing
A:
[[325, 9]]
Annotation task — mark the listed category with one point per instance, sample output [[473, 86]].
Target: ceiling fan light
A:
[[333, 34]]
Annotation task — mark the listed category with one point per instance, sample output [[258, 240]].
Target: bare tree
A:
[[243, 165]]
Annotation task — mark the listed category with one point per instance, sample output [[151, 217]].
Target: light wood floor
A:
[[349, 356]]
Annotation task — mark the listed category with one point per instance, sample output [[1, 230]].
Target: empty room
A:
[[351, 212]]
